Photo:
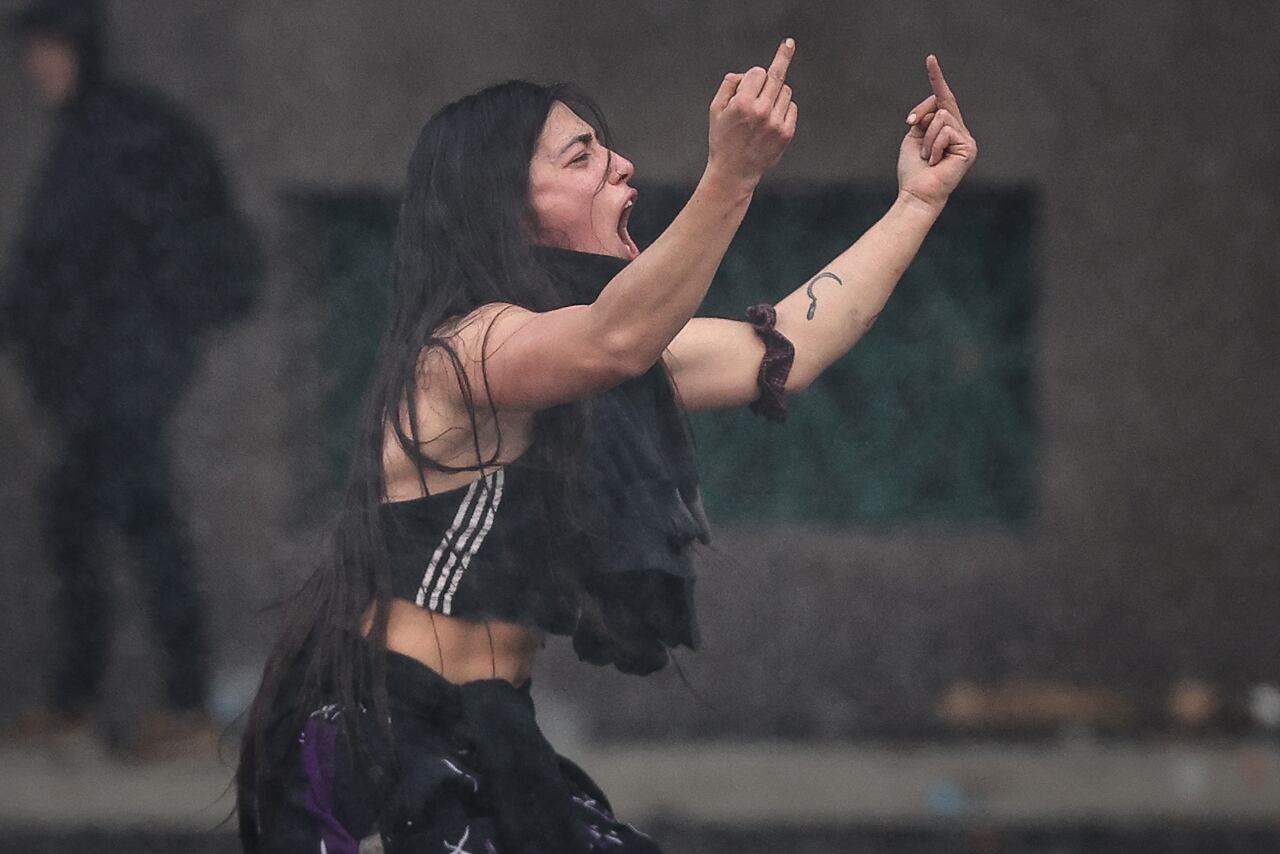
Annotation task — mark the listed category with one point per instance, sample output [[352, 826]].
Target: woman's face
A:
[[577, 204]]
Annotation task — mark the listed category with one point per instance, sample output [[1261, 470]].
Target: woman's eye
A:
[[581, 158]]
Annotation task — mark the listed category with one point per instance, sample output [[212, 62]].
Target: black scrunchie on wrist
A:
[[779, 353]]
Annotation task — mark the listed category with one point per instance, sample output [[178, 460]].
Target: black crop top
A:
[[625, 594]]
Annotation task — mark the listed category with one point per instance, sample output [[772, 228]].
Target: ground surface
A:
[[1063, 797]]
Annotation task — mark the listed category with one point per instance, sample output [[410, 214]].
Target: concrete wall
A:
[[1147, 132]]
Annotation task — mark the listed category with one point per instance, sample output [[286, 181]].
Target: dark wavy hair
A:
[[464, 239]]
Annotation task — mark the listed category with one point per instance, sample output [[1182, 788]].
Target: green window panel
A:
[[930, 417], [344, 246]]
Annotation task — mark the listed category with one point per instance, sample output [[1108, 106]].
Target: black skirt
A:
[[472, 774]]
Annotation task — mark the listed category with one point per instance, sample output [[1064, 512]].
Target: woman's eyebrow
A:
[[584, 138]]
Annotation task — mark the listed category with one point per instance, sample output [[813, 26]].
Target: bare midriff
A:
[[463, 650]]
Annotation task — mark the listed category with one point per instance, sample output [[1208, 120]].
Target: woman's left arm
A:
[[715, 362]]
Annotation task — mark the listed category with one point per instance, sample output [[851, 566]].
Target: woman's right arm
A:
[[536, 360]]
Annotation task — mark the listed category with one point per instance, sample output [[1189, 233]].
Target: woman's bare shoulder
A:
[[452, 363], [454, 423]]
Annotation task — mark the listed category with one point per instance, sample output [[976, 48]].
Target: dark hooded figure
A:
[[130, 251]]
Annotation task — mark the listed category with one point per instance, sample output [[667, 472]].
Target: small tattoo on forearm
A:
[[813, 299]]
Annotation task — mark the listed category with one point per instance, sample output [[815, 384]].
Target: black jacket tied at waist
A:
[[467, 767]]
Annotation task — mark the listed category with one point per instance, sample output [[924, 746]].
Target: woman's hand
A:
[[939, 149], [752, 120]]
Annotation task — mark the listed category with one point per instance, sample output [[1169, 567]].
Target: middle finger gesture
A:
[[753, 118]]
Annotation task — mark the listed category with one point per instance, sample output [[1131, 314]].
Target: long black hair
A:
[[465, 238]]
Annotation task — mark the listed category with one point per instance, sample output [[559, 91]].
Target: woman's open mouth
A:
[[623, 234]]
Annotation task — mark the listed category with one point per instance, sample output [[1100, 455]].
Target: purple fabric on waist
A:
[[318, 739]]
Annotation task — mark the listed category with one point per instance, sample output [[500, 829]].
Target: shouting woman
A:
[[522, 465]]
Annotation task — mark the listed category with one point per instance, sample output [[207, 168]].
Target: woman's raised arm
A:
[[715, 362], [537, 360]]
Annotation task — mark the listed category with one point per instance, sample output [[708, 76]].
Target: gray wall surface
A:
[[1145, 128]]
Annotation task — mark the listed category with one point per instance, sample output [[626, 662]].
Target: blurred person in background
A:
[[129, 251], [523, 468]]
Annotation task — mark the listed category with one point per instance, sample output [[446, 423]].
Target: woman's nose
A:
[[622, 167]]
